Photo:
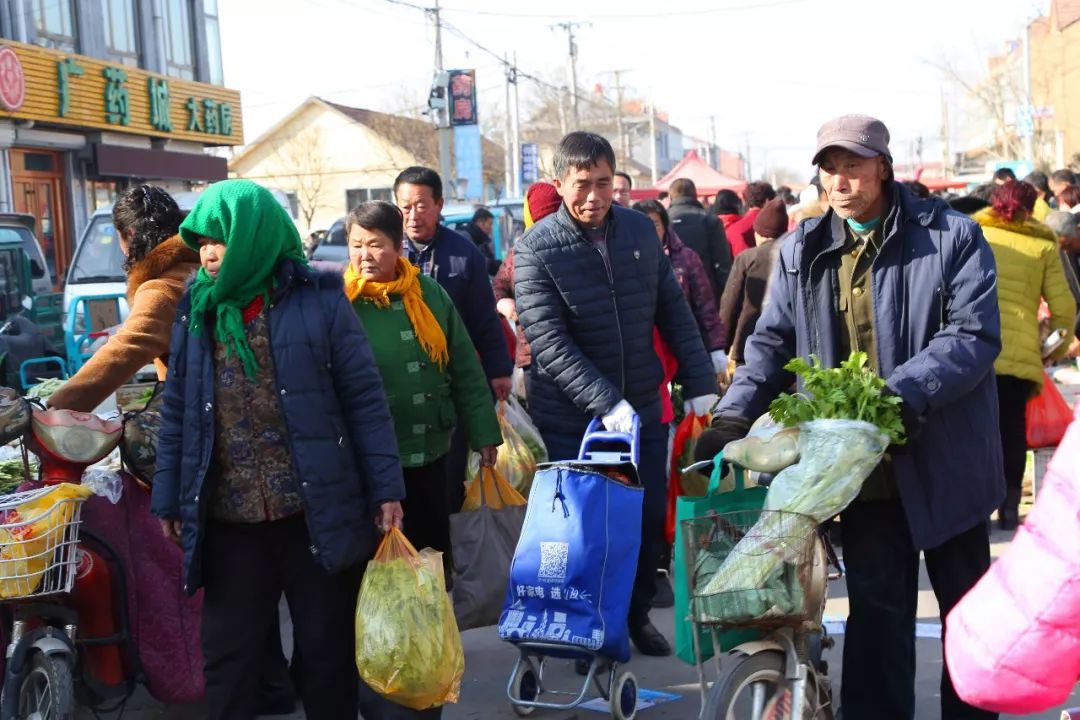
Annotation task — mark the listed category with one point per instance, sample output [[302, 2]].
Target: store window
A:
[[179, 40], [213, 41], [121, 31], [54, 21]]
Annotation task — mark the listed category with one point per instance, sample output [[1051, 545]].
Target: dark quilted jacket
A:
[[696, 286], [342, 438], [591, 330]]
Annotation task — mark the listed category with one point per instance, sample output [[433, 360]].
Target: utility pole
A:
[[516, 131], [569, 27], [562, 110], [714, 152], [652, 142], [621, 129], [445, 131], [749, 174], [1029, 141], [508, 159], [946, 154]]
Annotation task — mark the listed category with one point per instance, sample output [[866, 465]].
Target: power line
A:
[[621, 16]]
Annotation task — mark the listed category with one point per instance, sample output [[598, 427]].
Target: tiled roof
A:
[[1067, 12], [419, 137]]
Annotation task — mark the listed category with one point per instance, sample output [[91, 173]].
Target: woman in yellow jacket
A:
[[1029, 269]]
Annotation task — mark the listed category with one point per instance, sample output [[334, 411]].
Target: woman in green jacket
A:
[[430, 369], [1029, 269]]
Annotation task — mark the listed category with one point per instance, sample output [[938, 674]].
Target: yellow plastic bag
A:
[[30, 534], [491, 489], [516, 461], [408, 648]]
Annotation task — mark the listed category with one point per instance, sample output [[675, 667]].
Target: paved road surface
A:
[[488, 663]]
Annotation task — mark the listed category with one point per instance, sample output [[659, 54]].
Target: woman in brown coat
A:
[[158, 265]]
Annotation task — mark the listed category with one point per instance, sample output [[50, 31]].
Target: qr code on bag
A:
[[553, 561]]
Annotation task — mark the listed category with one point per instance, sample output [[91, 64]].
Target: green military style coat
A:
[[428, 402]]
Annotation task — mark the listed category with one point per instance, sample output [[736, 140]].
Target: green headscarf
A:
[[258, 235]]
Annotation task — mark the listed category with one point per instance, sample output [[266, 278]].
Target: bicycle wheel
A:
[[46, 691], [745, 686], [752, 685]]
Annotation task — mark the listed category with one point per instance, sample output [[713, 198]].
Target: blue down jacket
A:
[[935, 348], [591, 327], [342, 438]]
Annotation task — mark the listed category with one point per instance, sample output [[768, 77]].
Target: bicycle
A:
[[780, 675]]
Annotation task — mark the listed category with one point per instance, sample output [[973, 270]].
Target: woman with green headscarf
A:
[[277, 465]]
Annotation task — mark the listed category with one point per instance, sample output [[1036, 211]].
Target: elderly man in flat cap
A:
[[912, 284]]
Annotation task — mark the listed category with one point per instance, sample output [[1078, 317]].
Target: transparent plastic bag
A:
[[518, 383], [104, 482], [518, 455], [526, 428], [836, 457], [408, 648]]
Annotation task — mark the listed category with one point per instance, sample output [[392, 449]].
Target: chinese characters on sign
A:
[[530, 163], [207, 116], [463, 97], [65, 70], [117, 110], [159, 104]]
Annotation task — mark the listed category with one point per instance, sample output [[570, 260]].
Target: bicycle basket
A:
[[750, 568], [39, 532]]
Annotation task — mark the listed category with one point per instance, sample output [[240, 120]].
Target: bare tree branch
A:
[[303, 167]]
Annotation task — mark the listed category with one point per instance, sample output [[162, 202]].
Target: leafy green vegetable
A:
[[407, 643], [147, 394], [45, 388], [13, 474], [850, 392]]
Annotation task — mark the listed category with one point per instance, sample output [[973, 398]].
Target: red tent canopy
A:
[[707, 180]]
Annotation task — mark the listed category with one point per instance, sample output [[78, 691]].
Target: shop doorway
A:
[[37, 183]]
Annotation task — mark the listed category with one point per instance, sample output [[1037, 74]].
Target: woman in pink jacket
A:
[[1014, 640]]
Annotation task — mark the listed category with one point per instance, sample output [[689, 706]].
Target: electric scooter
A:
[[69, 641]]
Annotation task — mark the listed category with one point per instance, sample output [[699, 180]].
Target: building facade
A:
[[328, 158], [96, 95], [1055, 97]]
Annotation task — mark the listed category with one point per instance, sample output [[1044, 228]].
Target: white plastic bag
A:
[[836, 457], [104, 482]]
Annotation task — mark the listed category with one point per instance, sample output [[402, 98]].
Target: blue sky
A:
[[768, 70]]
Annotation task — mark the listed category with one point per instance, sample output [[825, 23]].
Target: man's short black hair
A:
[[683, 187], [582, 150], [1039, 180], [1004, 175], [625, 176], [481, 215], [1064, 176], [419, 175]]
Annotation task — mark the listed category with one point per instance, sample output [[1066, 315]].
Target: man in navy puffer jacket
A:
[[591, 283]]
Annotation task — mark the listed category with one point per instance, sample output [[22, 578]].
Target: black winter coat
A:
[[591, 327], [702, 232], [341, 436]]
